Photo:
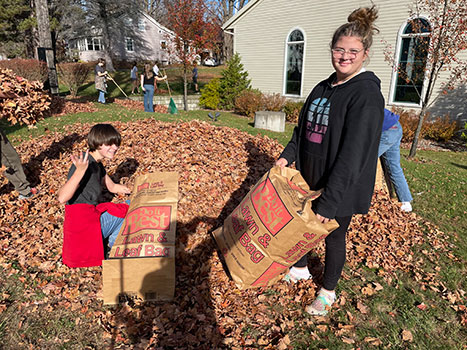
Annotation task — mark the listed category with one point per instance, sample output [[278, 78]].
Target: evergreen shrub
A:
[[234, 80], [210, 97]]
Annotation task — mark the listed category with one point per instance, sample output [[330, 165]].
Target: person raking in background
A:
[[335, 146], [389, 151], [100, 80], [195, 76], [134, 79], [10, 159], [147, 85], [88, 221]]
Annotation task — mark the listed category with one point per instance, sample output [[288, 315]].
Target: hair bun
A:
[[365, 16]]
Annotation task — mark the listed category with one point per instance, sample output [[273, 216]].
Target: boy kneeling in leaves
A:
[[87, 221]]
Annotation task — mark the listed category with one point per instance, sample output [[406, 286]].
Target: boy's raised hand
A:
[[81, 163], [122, 189]]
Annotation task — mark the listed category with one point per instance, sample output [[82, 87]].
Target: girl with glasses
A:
[[335, 145]]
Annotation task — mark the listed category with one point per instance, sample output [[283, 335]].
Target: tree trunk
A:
[[45, 43], [185, 88], [106, 37], [413, 148]]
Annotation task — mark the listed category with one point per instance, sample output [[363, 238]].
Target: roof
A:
[[157, 24], [231, 21]]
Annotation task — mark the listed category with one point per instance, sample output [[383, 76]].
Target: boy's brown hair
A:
[[103, 134]]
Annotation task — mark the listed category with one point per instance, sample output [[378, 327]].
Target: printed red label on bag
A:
[[273, 270], [147, 218], [270, 208]]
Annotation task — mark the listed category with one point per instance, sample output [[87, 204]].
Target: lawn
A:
[[414, 308], [174, 75]]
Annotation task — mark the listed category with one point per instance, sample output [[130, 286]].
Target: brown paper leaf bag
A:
[[271, 229]]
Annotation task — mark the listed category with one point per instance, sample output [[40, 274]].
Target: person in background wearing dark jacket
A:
[[335, 145], [389, 151], [10, 159], [147, 85]]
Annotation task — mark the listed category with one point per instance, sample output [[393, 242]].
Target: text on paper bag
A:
[[270, 208], [148, 218]]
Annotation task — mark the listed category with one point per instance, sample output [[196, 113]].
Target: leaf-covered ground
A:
[[42, 299]]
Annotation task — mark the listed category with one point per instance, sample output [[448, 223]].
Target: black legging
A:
[[335, 254]]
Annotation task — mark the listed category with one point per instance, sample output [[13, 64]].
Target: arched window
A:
[[294, 63], [412, 46]]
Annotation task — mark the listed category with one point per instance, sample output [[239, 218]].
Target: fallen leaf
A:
[[407, 335]]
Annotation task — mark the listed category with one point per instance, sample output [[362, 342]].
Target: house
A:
[[284, 46], [149, 41]]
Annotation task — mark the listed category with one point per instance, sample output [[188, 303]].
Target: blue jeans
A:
[[389, 150], [101, 98], [148, 98], [110, 226]]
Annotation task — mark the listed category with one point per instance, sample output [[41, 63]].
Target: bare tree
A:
[[110, 19], [438, 50], [224, 10], [45, 42]]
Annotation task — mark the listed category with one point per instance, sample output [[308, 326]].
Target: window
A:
[[82, 44], [129, 44], [141, 25], [163, 45], [412, 47], [294, 63], [90, 44]]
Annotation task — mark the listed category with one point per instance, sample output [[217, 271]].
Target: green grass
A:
[[438, 182], [175, 80]]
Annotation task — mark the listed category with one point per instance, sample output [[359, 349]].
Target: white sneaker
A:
[[322, 303], [297, 274], [406, 206]]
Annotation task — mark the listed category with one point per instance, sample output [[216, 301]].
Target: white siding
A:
[[260, 36]]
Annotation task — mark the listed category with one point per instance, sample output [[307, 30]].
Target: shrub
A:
[[441, 129], [210, 97], [292, 111], [249, 102], [409, 123], [464, 134], [233, 81], [273, 102], [31, 70], [73, 75]]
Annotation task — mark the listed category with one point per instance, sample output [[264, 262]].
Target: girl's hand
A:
[[323, 219], [144, 90], [282, 162], [81, 163]]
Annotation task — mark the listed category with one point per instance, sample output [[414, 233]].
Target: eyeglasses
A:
[[339, 52]]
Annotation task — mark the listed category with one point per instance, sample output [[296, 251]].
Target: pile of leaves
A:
[[63, 106], [28, 102], [217, 167], [138, 105]]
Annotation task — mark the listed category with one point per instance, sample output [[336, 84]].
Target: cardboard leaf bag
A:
[[271, 229], [142, 260]]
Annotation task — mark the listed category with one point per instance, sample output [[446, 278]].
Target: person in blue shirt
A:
[[389, 151]]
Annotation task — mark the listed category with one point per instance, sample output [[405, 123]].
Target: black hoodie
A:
[[335, 144]]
